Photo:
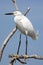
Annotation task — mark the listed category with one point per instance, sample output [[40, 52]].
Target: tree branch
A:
[[26, 56], [23, 62], [12, 61], [27, 10], [16, 7], [17, 57], [14, 1], [14, 58], [6, 41]]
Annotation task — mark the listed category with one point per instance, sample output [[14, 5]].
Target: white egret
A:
[[24, 25]]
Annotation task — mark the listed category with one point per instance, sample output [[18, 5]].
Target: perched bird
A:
[[24, 25]]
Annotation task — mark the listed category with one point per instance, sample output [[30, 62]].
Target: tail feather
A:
[[37, 34]]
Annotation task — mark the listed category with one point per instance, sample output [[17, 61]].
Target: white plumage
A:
[[24, 25]]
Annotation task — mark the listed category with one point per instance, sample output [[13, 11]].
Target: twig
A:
[[16, 7], [17, 57], [36, 57], [12, 61], [6, 41], [14, 58], [14, 1], [23, 62], [26, 56], [27, 10]]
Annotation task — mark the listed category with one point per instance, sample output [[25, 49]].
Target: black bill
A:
[[8, 13]]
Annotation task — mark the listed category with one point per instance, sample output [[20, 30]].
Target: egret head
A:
[[15, 13]]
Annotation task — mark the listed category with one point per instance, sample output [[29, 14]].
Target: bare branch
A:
[[17, 57], [12, 61], [36, 57], [26, 56], [27, 10], [14, 58], [21, 61], [14, 1], [6, 41]]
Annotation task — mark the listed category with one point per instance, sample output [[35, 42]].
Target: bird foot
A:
[[17, 57], [25, 56]]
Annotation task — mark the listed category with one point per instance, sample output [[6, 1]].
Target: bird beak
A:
[[9, 13]]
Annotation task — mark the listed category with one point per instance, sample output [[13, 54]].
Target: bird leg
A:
[[19, 44], [26, 45], [26, 48]]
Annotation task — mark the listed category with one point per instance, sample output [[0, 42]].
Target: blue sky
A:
[[7, 24]]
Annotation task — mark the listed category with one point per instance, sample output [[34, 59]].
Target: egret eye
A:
[[15, 12]]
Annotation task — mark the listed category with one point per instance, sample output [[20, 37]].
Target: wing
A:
[[27, 23]]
